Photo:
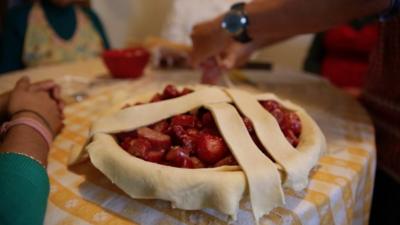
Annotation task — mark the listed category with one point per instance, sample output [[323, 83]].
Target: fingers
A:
[[228, 62], [196, 58], [208, 40], [23, 83], [52, 88], [45, 85], [200, 55], [237, 55], [56, 92]]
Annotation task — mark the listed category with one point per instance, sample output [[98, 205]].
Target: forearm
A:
[[285, 18], [26, 140]]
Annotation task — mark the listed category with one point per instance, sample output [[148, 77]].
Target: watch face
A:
[[234, 22]]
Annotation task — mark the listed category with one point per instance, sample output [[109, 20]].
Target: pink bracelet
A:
[[43, 131]]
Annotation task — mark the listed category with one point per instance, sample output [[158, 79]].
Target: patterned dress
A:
[[43, 46], [382, 96]]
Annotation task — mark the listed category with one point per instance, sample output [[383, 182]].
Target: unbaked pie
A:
[[206, 146]]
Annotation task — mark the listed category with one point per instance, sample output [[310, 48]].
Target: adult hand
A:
[[214, 50], [208, 40], [41, 98], [237, 54]]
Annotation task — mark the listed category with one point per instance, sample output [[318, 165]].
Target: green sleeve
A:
[[98, 25], [24, 189]]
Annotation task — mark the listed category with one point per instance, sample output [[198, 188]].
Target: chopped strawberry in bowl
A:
[[126, 63]]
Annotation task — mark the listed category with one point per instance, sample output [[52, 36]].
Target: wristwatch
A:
[[235, 22]]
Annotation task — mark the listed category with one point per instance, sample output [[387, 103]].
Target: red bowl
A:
[[126, 63]]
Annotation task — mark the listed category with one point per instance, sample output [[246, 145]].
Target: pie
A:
[[206, 147]]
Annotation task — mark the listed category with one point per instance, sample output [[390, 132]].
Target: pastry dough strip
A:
[[262, 175], [295, 164], [142, 115], [190, 189]]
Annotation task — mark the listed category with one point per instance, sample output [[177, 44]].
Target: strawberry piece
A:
[[193, 132], [291, 137], [162, 127], [197, 163], [170, 91], [278, 114], [207, 120], [155, 156], [211, 148], [158, 140], [292, 121], [227, 161], [177, 156], [211, 131], [124, 135], [249, 124], [186, 91], [184, 121], [126, 143], [187, 163], [270, 105], [178, 131], [156, 98], [188, 141], [139, 147]]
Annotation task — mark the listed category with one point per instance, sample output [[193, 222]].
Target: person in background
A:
[[261, 22], [341, 54], [35, 117], [49, 32]]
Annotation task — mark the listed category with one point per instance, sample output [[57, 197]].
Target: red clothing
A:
[[347, 54], [381, 95]]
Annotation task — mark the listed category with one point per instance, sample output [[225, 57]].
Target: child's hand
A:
[[42, 98]]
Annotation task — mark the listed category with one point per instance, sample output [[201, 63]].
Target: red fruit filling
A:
[[192, 140]]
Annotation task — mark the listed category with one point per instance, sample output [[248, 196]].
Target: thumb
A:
[[23, 83]]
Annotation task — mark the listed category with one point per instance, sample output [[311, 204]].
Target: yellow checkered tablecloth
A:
[[339, 192]]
